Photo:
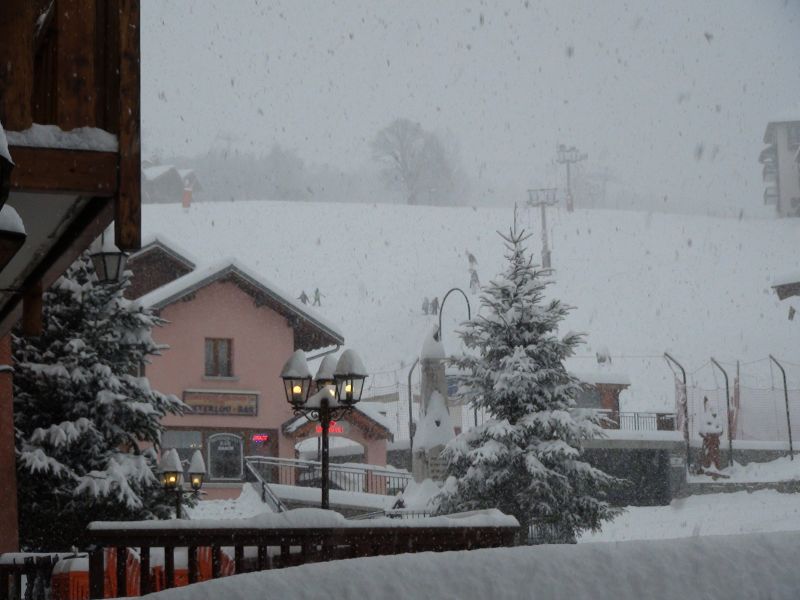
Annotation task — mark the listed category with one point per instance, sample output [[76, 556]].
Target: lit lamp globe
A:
[[349, 375], [325, 378], [197, 470], [296, 379], [171, 471]]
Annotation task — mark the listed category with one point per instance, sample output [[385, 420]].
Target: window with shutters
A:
[[219, 357]]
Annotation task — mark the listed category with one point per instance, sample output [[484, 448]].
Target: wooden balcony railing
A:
[[275, 541]]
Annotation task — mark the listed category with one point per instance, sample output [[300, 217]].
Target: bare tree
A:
[[415, 162]]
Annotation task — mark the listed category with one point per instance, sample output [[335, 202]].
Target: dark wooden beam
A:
[[16, 63], [54, 170], [128, 209], [95, 217], [77, 93], [32, 311]]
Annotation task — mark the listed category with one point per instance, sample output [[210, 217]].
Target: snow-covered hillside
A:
[[641, 283]]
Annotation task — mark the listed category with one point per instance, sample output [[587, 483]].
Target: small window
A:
[[219, 361]]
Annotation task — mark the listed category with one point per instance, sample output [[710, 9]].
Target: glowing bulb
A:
[[331, 391], [297, 389], [172, 478], [348, 388]]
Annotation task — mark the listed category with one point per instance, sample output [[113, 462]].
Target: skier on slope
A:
[[317, 297], [303, 297], [474, 282], [426, 306], [434, 306]]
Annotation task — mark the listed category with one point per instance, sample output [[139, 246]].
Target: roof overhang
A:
[[301, 427], [310, 333], [787, 290]]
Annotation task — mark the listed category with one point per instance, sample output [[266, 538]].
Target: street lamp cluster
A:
[[172, 475], [338, 389]]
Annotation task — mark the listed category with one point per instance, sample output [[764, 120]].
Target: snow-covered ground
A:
[[780, 469], [729, 567], [705, 515], [641, 283], [248, 504]]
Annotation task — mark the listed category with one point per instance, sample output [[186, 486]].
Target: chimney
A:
[[186, 202]]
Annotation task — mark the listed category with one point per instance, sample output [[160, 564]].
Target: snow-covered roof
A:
[[160, 241], [318, 331], [52, 136], [789, 115], [153, 173], [602, 377]]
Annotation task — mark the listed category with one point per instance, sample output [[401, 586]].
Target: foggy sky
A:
[[672, 98]]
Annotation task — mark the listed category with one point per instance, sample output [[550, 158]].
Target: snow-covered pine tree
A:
[[526, 460], [82, 413]]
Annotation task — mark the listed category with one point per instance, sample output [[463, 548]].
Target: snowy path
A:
[[705, 515]]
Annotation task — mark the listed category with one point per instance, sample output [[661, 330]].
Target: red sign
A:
[[334, 428], [260, 438]]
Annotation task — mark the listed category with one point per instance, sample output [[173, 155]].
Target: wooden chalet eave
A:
[[77, 65], [72, 172]]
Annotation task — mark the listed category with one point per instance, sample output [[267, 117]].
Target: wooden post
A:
[[122, 571], [9, 540], [216, 561], [16, 67], [191, 563], [96, 573], [32, 311], [127, 213], [169, 567], [238, 560], [262, 557], [76, 96], [144, 571]]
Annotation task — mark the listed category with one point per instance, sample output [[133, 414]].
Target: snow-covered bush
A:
[[85, 420], [526, 459]]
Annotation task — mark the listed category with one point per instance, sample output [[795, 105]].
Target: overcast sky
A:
[[671, 97]]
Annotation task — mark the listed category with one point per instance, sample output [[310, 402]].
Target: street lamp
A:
[[338, 390], [108, 260], [172, 475]]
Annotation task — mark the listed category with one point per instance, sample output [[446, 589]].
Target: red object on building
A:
[[186, 202]]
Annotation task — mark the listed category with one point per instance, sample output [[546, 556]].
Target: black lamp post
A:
[[338, 391], [172, 475]]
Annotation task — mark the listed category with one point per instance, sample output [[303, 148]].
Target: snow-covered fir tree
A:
[[526, 459], [85, 421]]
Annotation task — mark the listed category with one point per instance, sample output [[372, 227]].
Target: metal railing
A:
[[637, 421], [308, 473]]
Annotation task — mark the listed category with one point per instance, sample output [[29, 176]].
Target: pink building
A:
[[229, 333]]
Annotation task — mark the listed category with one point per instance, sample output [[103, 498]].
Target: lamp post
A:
[[338, 390], [172, 476]]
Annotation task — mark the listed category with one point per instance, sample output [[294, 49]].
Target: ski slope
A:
[[641, 283]]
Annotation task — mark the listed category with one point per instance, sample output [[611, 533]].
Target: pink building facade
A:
[[228, 336]]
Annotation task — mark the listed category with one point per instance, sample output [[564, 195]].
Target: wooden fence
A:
[[256, 549]]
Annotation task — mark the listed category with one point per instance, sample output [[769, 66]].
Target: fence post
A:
[[786, 399], [96, 574], [728, 409]]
